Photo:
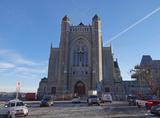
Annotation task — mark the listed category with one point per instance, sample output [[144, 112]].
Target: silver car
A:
[[93, 99]]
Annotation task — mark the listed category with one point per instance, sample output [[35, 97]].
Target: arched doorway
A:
[[79, 88]]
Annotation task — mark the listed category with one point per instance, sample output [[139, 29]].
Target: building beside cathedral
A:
[[81, 63], [147, 76]]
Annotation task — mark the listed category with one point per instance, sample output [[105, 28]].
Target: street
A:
[[82, 110]]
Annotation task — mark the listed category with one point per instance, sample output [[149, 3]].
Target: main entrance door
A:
[[79, 88]]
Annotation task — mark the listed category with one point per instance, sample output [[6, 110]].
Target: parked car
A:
[[147, 101], [76, 99], [15, 107], [47, 101], [106, 97], [152, 103], [132, 99], [155, 110], [93, 99]]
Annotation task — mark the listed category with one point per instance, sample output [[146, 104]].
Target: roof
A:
[[116, 64], [81, 24], [44, 79], [65, 18], [96, 17], [15, 100], [146, 59]]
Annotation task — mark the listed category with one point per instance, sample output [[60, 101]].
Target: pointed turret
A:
[[96, 22], [81, 24], [51, 45], [50, 51], [96, 18], [65, 24], [65, 18]]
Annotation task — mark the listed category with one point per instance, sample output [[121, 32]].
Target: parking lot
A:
[[82, 110], [66, 109]]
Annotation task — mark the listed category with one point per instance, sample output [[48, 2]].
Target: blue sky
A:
[[27, 28]]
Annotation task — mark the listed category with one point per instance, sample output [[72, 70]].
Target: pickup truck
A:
[[147, 101]]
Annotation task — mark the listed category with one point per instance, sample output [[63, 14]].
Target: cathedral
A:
[[81, 63]]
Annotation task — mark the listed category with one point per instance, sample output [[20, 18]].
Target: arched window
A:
[[80, 55], [86, 57]]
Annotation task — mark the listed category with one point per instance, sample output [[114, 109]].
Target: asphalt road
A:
[[82, 110]]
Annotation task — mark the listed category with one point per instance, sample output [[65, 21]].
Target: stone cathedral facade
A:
[[81, 63]]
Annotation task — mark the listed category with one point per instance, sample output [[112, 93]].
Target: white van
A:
[[106, 97]]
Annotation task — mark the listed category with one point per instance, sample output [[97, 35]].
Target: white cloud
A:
[[3, 51], [14, 57], [6, 65], [23, 67], [24, 61], [33, 69], [14, 67]]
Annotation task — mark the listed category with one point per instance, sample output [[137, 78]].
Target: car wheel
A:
[[139, 106], [129, 103], [9, 116], [26, 115], [147, 107]]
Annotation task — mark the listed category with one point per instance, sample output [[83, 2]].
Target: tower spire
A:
[[51, 45], [65, 18], [96, 18], [51, 50]]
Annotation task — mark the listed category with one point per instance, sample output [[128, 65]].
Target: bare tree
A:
[[144, 74]]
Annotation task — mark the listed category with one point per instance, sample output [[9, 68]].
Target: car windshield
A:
[[93, 96], [47, 98], [76, 97], [150, 98], [19, 104], [12, 104], [44, 100]]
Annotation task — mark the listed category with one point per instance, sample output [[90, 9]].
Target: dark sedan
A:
[[155, 110], [47, 101]]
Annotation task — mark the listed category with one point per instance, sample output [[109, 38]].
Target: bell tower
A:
[[63, 55], [96, 51]]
